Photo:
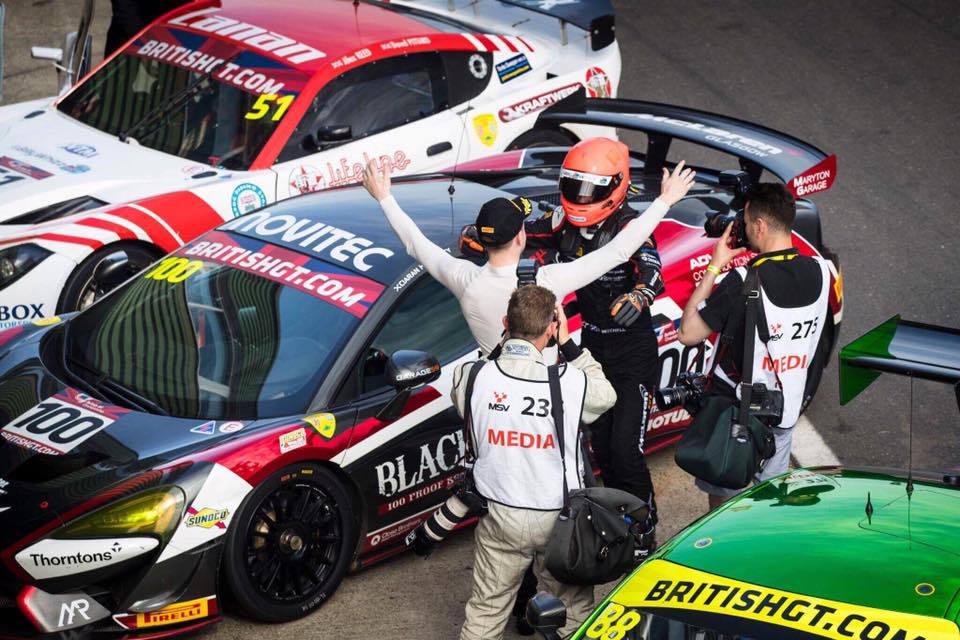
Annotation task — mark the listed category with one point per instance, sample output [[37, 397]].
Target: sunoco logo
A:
[[206, 518]]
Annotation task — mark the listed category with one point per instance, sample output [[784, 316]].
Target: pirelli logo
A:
[[180, 612], [661, 586]]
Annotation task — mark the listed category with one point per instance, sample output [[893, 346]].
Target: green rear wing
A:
[[903, 347]]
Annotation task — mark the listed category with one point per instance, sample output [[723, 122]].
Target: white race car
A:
[[220, 108]]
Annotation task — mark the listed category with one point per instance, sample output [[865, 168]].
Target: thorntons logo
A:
[[76, 559]]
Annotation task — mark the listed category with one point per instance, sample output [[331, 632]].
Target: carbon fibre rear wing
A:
[[803, 167], [903, 347]]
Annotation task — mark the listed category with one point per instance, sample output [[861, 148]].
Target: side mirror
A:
[[334, 133], [547, 614], [404, 371]]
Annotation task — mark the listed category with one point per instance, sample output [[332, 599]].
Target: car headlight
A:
[[16, 261], [156, 511], [56, 211]]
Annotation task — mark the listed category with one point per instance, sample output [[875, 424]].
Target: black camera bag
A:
[[718, 446], [591, 542]]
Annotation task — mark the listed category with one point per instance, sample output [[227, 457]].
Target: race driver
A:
[[614, 308]]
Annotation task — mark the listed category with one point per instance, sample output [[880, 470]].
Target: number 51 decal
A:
[[266, 101]]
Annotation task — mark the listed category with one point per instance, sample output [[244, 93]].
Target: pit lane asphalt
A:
[[876, 82]]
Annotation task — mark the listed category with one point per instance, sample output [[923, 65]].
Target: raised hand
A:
[[675, 185]]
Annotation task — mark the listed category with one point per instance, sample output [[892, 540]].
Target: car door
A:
[[407, 467], [396, 111]]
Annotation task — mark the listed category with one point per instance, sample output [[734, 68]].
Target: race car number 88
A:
[[174, 270], [613, 623]]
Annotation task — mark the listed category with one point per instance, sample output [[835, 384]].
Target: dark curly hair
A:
[[774, 203]]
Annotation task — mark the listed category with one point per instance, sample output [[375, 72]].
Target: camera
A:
[[766, 405], [527, 272], [689, 388], [464, 502], [739, 184]]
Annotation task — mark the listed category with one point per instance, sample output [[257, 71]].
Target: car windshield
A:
[[249, 332], [190, 96]]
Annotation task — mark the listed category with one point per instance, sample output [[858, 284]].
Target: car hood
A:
[[47, 158], [47, 469]]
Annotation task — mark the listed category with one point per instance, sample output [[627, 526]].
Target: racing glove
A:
[[628, 308], [470, 246]]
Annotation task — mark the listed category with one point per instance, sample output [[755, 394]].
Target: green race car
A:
[[814, 553]]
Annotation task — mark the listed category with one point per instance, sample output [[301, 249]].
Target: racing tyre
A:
[[290, 544], [103, 271], [542, 138]]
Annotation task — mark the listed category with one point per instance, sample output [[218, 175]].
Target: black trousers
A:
[[630, 363]]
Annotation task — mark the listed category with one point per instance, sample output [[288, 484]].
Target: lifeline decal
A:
[[662, 585]]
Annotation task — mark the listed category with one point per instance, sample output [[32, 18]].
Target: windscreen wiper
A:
[[161, 110]]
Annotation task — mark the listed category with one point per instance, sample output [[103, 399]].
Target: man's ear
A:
[[506, 325]]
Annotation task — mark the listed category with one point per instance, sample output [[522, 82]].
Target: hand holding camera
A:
[[725, 250]]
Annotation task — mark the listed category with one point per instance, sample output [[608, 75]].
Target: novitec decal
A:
[[61, 423], [210, 513], [55, 558]]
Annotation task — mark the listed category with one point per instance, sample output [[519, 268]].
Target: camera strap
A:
[[556, 410], [472, 372], [751, 287]]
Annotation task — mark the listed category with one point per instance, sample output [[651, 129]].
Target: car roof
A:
[[811, 532], [439, 214], [337, 28]]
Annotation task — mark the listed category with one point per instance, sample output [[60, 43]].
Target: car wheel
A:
[[290, 544], [542, 138], [104, 271]]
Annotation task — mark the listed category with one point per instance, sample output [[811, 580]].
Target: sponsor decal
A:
[[22, 167], [79, 149], [304, 179], [775, 331], [206, 518], [77, 608], [486, 127], [410, 275], [323, 239], [251, 35], [54, 558], [519, 439], [247, 197], [172, 614], [69, 167], [517, 349], [477, 65], [432, 460], [46, 322], [598, 83], [673, 416], [536, 103], [498, 404], [61, 422], [817, 178], [412, 41], [513, 68], [396, 531], [667, 333], [345, 172], [662, 585], [222, 488], [351, 293], [206, 429], [231, 427], [11, 316], [61, 611], [293, 440], [442, 484], [410, 375], [323, 423], [715, 134], [194, 169]]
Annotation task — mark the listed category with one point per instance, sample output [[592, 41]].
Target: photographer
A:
[[794, 291], [483, 291], [518, 468]]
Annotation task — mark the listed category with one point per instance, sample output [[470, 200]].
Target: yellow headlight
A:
[[156, 511]]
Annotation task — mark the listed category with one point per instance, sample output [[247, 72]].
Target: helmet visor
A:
[[579, 187]]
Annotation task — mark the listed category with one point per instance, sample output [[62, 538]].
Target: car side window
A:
[[428, 318], [375, 97]]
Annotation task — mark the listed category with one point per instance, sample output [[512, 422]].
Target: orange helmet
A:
[[594, 180]]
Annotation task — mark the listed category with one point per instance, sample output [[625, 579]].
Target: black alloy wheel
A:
[[290, 544]]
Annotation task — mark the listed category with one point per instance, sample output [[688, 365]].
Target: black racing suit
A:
[[629, 355]]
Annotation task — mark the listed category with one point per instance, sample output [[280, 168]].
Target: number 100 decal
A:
[[60, 423]]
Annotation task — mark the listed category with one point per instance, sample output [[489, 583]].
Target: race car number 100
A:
[[174, 270]]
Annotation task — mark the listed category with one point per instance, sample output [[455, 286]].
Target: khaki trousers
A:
[[506, 541]]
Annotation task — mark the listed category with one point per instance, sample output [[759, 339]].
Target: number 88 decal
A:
[[614, 623]]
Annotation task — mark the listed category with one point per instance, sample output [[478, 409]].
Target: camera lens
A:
[[717, 222]]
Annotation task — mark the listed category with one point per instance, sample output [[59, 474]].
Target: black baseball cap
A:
[[500, 220]]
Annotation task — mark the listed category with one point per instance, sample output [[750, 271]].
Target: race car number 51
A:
[[263, 104]]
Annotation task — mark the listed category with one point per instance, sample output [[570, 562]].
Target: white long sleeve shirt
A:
[[484, 291]]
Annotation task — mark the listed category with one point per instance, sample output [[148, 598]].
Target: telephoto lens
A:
[[458, 507]]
